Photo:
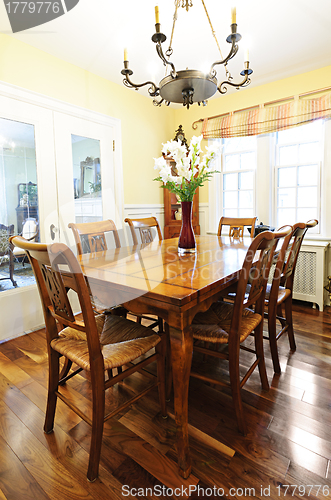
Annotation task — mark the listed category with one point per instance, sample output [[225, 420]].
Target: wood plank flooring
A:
[[288, 443]]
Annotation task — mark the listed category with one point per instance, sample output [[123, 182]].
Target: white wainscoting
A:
[[157, 210]]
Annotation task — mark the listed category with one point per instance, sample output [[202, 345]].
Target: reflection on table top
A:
[[157, 270]]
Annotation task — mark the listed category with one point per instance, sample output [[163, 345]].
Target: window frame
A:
[[238, 171], [274, 182]]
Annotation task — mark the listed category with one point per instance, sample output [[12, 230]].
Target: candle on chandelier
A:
[[126, 55], [233, 15], [246, 55], [157, 17]]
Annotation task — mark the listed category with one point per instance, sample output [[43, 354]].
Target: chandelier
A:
[[189, 86]]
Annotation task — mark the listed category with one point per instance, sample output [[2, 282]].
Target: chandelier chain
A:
[[212, 29], [169, 51], [189, 86]]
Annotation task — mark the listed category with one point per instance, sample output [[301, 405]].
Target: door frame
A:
[[26, 300]]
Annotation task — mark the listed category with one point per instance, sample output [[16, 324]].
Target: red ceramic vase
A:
[[186, 242]]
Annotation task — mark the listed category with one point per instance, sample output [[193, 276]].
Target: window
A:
[[238, 176], [297, 173], [281, 178]]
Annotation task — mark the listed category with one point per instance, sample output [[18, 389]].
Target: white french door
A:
[[85, 173], [68, 141]]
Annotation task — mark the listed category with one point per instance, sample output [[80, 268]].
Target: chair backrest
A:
[[299, 231], [279, 265], [52, 264], [237, 225], [144, 226], [30, 229], [5, 233], [90, 236], [256, 268]]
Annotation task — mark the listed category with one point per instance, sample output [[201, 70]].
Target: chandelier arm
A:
[[165, 61], [157, 103], [153, 89], [233, 51], [244, 83]]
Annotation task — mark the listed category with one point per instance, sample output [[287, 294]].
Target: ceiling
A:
[[284, 37]]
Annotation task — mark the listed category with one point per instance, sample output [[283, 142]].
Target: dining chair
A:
[[30, 231], [222, 329], [144, 226], [95, 343], [237, 226], [91, 236], [6, 250], [279, 293]]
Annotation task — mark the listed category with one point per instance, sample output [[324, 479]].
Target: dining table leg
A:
[[181, 358]]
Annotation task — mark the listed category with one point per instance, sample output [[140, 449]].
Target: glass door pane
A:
[[87, 178], [19, 211], [85, 173]]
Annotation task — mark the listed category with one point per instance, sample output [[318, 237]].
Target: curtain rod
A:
[[195, 124]]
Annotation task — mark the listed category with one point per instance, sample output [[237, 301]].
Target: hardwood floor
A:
[[288, 442]]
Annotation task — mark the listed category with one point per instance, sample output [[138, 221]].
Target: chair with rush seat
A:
[[95, 343], [91, 236], [144, 227], [236, 226], [225, 326], [279, 293]]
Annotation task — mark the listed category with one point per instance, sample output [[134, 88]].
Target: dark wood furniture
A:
[[90, 236], [237, 226], [144, 227], [155, 279], [6, 249], [222, 330], [279, 293], [95, 344], [172, 206]]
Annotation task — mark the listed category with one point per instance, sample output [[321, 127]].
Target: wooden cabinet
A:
[[172, 206], [172, 210]]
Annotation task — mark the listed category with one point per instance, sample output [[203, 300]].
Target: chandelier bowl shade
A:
[[203, 86], [189, 86]]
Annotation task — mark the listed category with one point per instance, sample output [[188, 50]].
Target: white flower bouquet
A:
[[191, 171]]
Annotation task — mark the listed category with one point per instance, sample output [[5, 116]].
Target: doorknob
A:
[[53, 230]]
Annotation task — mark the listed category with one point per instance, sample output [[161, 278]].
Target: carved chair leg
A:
[[98, 400], [272, 338], [289, 321], [53, 381], [235, 388], [258, 335], [65, 370]]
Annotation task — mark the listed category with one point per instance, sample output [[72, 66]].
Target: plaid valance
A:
[[268, 118]]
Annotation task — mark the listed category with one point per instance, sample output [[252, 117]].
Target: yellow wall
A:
[[144, 126], [251, 96]]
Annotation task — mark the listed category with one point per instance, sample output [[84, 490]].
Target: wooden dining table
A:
[[155, 279]]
